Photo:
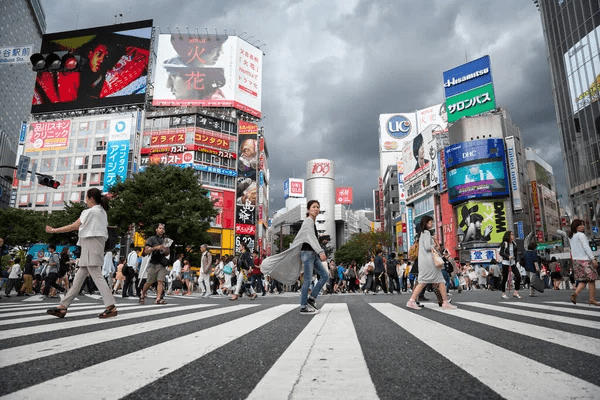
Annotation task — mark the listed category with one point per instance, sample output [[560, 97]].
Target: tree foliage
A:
[[362, 245], [165, 194], [67, 216], [22, 227]]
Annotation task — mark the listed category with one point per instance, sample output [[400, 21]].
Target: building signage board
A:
[[467, 76], [293, 188], [473, 102], [482, 221], [513, 171], [16, 54], [48, 135], [117, 155], [343, 195]]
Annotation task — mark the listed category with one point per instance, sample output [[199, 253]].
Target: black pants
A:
[[393, 283], [12, 283], [516, 274], [128, 284], [379, 280], [51, 281]]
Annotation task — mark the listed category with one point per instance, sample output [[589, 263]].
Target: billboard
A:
[[50, 135], [473, 102], [113, 72], [476, 169], [582, 68], [117, 150], [513, 170], [343, 195], [434, 118], [394, 129], [293, 188], [482, 221], [208, 71], [467, 76]]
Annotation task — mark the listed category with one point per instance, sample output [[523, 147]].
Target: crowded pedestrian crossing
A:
[[354, 347]]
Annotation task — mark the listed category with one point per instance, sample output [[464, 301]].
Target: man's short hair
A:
[[51, 246], [159, 224]]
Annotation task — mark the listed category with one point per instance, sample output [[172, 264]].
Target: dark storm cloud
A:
[[332, 67]]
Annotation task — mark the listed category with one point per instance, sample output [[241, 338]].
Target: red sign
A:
[[209, 140], [169, 158], [449, 227], [297, 187], [343, 195], [224, 202], [167, 139], [321, 168], [247, 128], [52, 135], [245, 229], [536, 206]]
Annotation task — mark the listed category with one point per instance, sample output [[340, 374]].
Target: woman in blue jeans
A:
[[312, 256]]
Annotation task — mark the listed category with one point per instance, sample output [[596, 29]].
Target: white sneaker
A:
[[505, 297], [412, 304]]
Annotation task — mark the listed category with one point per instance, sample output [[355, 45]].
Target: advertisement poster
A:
[[343, 195], [482, 221], [394, 129], [582, 68], [43, 136], [247, 185], [208, 71], [467, 76], [114, 68], [293, 188], [476, 169], [511, 152]]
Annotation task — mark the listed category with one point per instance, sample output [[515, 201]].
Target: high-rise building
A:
[[23, 23], [572, 33]]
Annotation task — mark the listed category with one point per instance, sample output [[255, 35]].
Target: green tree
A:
[[21, 227], [164, 194], [362, 245]]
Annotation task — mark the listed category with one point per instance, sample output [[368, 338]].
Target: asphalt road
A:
[[358, 346]]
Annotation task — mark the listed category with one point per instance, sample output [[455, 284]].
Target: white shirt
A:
[[580, 247], [176, 271], [94, 222], [15, 271], [109, 266], [132, 259]]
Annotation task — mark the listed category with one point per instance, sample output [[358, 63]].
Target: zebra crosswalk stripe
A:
[[151, 310], [494, 366], [539, 315], [143, 367], [572, 340], [75, 312], [320, 357], [33, 351], [570, 310]]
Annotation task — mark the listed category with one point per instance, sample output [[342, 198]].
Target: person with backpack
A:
[[52, 272], [392, 273]]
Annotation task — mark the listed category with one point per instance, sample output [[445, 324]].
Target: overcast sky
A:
[[331, 67]]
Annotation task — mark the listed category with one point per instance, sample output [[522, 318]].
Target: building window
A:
[[84, 128], [82, 162], [58, 198], [102, 126], [47, 165], [64, 164], [23, 200], [41, 200], [96, 178], [100, 144], [83, 145], [99, 161], [79, 180]]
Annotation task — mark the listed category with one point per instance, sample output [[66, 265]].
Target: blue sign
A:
[[398, 126], [23, 133], [520, 231], [467, 76], [286, 189], [476, 169], [117, 155], [595, 230]]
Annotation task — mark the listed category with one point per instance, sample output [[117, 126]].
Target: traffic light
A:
[[55, 62], [46, 180], [593, 245]]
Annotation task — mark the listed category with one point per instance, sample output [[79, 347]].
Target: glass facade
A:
[[572, 32]]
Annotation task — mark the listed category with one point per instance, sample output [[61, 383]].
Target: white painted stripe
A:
[[569, 310], [34, 351], [571, 305], [116, 378], [34, 298], [58, 325], [509, 374], [539, 315], [35, 310], [325, 357], [571, 340]]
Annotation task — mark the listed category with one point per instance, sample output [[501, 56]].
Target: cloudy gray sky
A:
[[331, 67]]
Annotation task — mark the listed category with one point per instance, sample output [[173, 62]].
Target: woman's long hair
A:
[[574, 225], [96, 194], [506, 237], [423, 223]]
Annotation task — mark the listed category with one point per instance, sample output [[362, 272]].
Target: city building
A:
[[572, 34], [23, 24]]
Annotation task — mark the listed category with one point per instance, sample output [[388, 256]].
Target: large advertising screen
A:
[[482, 221], [113, 72], [208, 71], [582, 68], [476, 169]]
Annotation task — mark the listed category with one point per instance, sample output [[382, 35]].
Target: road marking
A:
[[493, 365], [60, 324], [33, 310], [133, 371], [325, 354], [572, 340], [570, 310], [534, 314], [93, 310], [34, 351]]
